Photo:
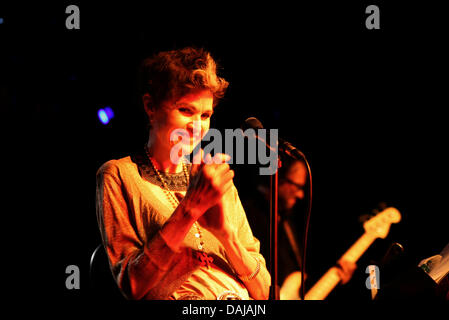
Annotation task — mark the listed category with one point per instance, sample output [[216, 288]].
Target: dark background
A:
[[365, 106]]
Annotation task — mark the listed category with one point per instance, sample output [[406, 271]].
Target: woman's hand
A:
[[209, 181], [215, 219]]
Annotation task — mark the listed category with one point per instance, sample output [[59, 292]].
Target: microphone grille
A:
[[253, 123]]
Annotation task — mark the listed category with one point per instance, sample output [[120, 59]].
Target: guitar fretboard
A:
[[358, 248]]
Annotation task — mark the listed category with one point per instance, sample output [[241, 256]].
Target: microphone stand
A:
[[287, 148], [274, 289]]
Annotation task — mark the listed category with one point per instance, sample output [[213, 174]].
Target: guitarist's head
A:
[[292, 180]]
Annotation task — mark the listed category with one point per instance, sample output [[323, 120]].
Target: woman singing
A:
[[171, 229]]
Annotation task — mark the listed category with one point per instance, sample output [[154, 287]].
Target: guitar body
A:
[[290, 288]]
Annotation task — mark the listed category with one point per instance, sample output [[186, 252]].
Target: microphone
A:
[[283, 146]]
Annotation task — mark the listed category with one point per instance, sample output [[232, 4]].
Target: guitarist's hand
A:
[[345, 270]]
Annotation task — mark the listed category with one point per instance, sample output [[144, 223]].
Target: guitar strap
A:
[[292, 240]]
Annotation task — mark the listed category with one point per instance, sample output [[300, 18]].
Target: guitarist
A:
[[292, 180]]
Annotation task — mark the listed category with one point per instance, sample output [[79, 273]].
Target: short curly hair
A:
[[169, 75]]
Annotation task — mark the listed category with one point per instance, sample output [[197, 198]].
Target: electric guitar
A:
[[377, 227]]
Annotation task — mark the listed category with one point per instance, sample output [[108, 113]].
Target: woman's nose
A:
[[194, 127]]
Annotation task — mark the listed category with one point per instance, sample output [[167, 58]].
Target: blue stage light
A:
[[109, 112], [105, 115]]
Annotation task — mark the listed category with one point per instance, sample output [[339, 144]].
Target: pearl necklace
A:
[[203, 257]]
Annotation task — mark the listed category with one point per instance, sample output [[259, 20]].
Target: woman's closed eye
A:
[[190, 112], [185, 110], [206, 116]]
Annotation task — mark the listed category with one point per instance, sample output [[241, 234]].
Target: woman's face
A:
[[187, 119]]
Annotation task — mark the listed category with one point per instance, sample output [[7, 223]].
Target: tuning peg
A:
[[381, 206], [365, 217]]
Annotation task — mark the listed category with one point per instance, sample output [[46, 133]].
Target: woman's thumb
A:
[[197, 162]]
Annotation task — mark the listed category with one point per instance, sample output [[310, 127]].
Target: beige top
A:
[[132, 208]]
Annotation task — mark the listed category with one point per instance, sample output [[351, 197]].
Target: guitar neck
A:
[[331, 278], [358, 248]]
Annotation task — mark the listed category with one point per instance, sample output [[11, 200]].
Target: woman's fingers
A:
[[228, 176], [227, 187], [226, 181], [221, 169], [220, 158], [208, 159], [211, 178], [197, 163]]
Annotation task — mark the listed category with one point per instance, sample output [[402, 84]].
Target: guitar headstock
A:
[[379, 225]]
